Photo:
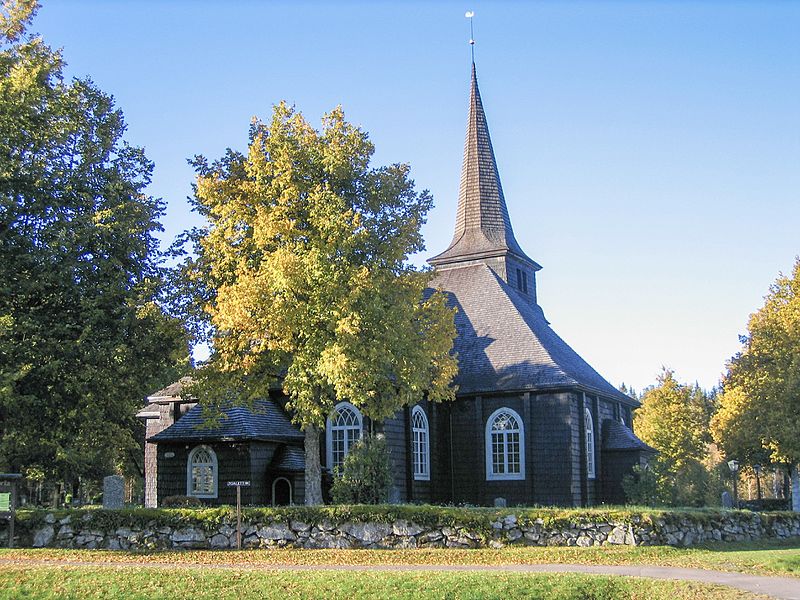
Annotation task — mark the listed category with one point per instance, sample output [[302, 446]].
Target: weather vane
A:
[[469, 14]]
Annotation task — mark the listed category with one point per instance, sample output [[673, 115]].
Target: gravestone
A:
[[500, 502], [113, 491], [727, 501]]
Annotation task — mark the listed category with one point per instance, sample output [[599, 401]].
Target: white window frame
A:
[[330, 427], [214, 465], [490, 473], [590, 453], [420, 445]]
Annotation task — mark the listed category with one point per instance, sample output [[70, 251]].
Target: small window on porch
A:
[[201, 473]]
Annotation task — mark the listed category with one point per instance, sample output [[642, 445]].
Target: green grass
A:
[[766, 558], [148, 583]]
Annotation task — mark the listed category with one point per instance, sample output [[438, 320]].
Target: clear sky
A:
[[649, 151]]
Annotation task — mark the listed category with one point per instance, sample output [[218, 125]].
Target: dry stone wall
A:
[[92, 530]]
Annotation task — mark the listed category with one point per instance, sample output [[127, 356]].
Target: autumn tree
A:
[[673, 420], [304, 278], [759, 409], [82, 339]]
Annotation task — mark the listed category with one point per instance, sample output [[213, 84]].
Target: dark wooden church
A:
[[533, 423]]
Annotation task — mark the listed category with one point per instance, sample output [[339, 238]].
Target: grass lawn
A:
[[766, 558], [181, 582]]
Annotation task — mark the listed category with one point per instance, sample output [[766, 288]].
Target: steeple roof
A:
[[483, 227]]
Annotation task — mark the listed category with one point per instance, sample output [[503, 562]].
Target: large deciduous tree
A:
[[304, 277], [82, 339], [673, 419], [760, 406]]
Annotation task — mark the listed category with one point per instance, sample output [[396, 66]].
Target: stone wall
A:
[[92, 529]]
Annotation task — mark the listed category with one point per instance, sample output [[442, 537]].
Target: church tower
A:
[[483, 232], [573, 448]]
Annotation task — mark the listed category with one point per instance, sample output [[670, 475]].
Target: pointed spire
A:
[[483, 228]]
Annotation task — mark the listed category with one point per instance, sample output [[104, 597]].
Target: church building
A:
[[532, 423]]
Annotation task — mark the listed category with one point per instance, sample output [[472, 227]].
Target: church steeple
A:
[[483, 230]]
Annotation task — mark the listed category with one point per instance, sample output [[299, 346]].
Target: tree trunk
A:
[[313, 468], [786, 482], [796, 488]]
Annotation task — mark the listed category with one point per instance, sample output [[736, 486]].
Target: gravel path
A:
[[786, 588]]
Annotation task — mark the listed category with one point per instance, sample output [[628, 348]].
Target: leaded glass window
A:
[[420, 449], [505, 446], [590, 462], [202, 473], [344, 430]]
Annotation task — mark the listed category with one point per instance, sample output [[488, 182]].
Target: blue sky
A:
[[649, 151]]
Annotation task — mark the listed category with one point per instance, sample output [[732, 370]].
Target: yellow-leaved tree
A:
[[673, 420], [303, 278], [760, 405]]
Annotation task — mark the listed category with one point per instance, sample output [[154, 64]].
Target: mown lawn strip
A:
[[141, 582], [766, 558]]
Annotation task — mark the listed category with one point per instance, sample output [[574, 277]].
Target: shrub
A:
[[767, 504], [181, 502], [366, 475], [642, 487]]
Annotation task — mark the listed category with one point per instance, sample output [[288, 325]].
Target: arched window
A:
[[201, 473], [505, 445], [420, 449], [344, 430], [589, 443]]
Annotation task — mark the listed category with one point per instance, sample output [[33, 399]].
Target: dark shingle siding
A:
[[394, 429]]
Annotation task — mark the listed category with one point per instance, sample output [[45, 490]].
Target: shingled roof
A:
[[617, 436], [483, 227], [171, 392], [290, 458], [504, 342], [266, 422]]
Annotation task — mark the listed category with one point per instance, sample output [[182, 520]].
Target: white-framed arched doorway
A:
[[281, 492]]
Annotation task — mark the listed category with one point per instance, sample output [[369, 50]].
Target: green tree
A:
[[738, 429], [673, 420], [82, 339], [366, 475], [760, 406], [303, 277]]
